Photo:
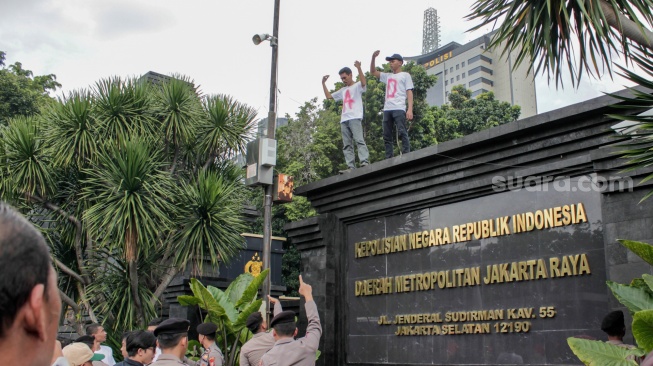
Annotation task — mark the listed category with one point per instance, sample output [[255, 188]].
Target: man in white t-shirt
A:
[[100, 335], [399, 89], [352, 115]]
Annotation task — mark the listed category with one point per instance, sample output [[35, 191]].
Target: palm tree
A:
[[547, 33], [131, 183]]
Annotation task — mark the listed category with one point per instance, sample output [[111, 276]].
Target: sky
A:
[[83, 41]]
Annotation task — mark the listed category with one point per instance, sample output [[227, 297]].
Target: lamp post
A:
[[272, 120]]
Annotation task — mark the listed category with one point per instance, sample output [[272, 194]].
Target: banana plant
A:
[[228, 309]]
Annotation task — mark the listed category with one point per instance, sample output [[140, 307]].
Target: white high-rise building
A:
[[480, 70]]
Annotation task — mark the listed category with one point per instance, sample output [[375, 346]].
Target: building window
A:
[[451, 80], [446, 82], [478, 58], [481, 80], [462, 64], [451, 69], [477, 92], [480, 68], [463, 75], [457, 67], [457, 77], [446, 71]]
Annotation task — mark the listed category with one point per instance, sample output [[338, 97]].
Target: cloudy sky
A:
[[82, 41]]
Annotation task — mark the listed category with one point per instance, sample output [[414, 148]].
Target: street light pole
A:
[[272, 121]]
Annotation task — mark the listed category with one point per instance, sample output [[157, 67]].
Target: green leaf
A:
[[206, 300], [230, 312], [187, 300], [238, 286], [597, 353], [643, 250], [643, 329], [250, 292], [647, 279], [247, 311], [633, 298]]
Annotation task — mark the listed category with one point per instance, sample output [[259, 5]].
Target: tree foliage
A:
[[131, 183], [22, 93], [464, 115], [574, 35]]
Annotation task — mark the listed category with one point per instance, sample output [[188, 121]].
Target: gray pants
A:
[[352, 131]]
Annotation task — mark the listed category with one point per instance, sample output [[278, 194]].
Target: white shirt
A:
[[61, 361], [352, 101], [108, 355], [395, 90]]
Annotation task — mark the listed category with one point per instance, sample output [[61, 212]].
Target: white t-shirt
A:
[[352, 101], [395, 90], [61, 361], [108, 355]]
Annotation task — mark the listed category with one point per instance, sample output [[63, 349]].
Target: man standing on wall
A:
[[352, 115], [399, 88]]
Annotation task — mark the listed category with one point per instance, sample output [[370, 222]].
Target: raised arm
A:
[[277, 305], [327, 94], [314, 328], [361, 75], [373, 69]]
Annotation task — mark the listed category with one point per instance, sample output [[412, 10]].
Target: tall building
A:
[[431, 32], [480, 70], [262, 130]]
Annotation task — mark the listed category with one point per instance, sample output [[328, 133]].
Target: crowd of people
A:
[[30, 308]]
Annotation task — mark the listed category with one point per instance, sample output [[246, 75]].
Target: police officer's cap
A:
[[172, 326], [254, 321], [287, 316], [206, 328]]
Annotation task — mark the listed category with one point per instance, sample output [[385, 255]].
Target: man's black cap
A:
[[287, 316], [254, 321], [206, 328], [172, 326], [396, 56], [613, 322]]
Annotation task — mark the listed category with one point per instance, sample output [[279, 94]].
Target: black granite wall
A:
[[461, 180]]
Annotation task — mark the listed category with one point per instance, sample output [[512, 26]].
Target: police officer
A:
[[172, 335], [288, 351], [252, 351], [212, 355]]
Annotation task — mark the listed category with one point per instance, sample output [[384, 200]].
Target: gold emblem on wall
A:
[[254, 266]]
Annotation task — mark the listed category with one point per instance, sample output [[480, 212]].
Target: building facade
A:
[[481, 70]]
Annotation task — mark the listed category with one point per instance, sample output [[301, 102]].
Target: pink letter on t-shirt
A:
[[346, 104], [391, 90]]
